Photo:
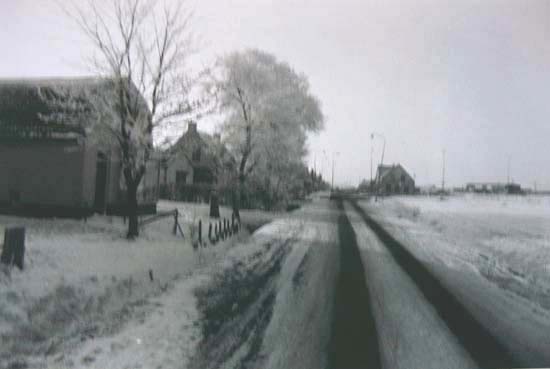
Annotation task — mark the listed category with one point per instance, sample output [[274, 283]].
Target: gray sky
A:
[[470, 77]]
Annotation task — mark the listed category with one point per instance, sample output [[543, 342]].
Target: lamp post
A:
[[383, 150], [325, 162], [371, 155], [443, 175], [332, 179]]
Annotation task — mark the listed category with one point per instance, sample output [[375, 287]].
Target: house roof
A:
[[22, 106], [193, 138], [385, 170]]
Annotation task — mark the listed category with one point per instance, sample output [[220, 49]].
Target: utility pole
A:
[[371, 155], [443, 174], [315, 163], [332, 180], [508, 171]]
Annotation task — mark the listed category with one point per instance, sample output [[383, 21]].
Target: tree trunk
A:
[[237, 198], [132, 209]]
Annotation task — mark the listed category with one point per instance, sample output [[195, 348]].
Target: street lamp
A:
[[383, 150], [383, 145], [332, 180], [326, 162]]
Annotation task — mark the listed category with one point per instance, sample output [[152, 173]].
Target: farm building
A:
[[494, 188], [55, 169], [194, 166], [393, 180]]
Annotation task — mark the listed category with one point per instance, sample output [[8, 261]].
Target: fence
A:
[[164, 214], [217, 230]]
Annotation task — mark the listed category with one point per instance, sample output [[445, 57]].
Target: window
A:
[[203, 176], [196, 154], [181, 178]]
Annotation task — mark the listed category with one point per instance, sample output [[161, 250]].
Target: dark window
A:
[[14, 197], [203, 175], [181, 177], [196, 154]]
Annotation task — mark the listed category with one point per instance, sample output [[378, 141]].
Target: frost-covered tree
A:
[[141, 48], [268, 110]]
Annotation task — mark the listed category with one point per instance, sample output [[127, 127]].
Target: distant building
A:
[[429, 190], [53, 169], [494, 188], [394, 180], [194, 166]]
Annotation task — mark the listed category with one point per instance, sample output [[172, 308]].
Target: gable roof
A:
[[385, 171], [193, 139]]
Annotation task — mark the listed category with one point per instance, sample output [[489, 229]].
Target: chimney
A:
[[192, 127]]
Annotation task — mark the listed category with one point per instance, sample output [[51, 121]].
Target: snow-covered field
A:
[[493, 252]]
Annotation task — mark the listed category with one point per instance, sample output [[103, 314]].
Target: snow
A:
[[299, 331], [85, 295], [165, 339], [411, 334], [493, 252], [85, 298]]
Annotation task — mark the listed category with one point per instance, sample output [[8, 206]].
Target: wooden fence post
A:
[[13, 251], [175, 222]]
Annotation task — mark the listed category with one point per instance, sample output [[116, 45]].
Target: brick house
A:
[[52, 169], [394, 180]]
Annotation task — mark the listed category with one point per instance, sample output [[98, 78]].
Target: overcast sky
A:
[[470, 77]]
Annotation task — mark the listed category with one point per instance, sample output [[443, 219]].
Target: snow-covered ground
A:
[[83, 282], [411, 334], [85, 298], [299, 331], [278, 298], [493, 252]]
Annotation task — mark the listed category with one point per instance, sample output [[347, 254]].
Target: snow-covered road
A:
[[503, 286], [303, 291], [295, 296], [412, 335]]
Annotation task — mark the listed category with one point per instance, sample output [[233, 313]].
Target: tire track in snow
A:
[[354, 341], [485, 349]]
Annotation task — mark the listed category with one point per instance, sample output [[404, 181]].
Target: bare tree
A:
[[141, 48]]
